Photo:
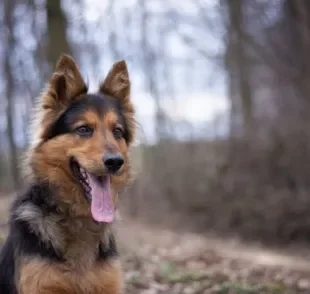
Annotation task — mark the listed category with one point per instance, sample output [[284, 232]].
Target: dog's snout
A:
[[113, 161]]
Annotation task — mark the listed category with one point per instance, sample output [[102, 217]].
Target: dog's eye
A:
[[118, 133], [84, 131]]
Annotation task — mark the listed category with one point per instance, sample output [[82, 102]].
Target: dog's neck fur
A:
[[68, 227]]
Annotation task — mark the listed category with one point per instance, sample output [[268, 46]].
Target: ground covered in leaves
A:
[[158, 261]]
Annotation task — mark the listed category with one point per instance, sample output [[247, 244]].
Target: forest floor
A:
[[160, 261]]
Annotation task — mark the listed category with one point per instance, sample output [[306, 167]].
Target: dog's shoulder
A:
[[31, 223], [38, 195]]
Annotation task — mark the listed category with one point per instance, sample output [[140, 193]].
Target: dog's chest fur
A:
[[59, 251], [77, 241], [81, 241]]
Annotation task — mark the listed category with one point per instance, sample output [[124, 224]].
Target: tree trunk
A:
[[238, 64], [149, 65], [9, 7], [56, 28]]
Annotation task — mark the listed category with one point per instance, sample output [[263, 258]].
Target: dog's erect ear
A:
[[117, 82], [117, 85], [65, 85]]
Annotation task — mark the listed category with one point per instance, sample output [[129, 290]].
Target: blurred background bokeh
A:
[[222, 92]]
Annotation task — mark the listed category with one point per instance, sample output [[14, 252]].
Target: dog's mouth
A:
[[97, 191]]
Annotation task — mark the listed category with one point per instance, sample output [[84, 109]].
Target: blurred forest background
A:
[[222, 89]]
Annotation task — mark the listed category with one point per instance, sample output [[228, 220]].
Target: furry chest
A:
[[81, 254], [41, 277]]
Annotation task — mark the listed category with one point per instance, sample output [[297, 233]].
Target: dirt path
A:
[[161, 261], [135, 233]]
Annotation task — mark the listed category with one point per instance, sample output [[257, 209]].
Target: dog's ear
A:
[[117, 84], [65, 85]]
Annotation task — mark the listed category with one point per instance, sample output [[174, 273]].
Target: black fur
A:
[[108, 251], [22, 241], [31, 244], [28, 242], [7, 268], [96, 102]]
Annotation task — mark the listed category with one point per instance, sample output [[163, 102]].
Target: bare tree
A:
[[238, 66], [9, 7], [149, 66], [58, 42]]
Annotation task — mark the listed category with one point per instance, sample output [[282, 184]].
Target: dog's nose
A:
[[113, 161]]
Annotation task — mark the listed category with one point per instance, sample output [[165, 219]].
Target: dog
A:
[[60, 236]]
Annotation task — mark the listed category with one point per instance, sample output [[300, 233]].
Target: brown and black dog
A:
[[60, 237]]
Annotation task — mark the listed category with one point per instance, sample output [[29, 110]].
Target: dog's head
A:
[[84, 138]]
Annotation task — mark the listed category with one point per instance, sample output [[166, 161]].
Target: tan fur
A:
[[39, 277], [48, 158]]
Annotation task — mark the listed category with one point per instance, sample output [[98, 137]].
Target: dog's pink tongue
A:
[[102, 208]]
